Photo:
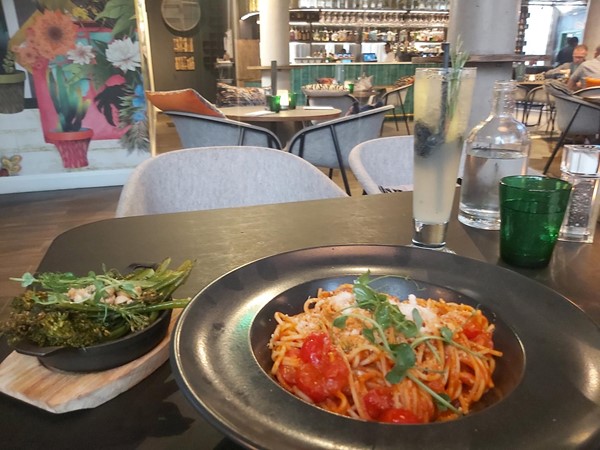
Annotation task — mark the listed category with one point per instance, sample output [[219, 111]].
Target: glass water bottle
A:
[[497, 147]]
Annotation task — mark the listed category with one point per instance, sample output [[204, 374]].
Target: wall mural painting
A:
[[84, 59]]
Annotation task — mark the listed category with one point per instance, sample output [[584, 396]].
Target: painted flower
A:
[[53, 34], [54, 42], [81, 54], [26, 55], [124, 54]]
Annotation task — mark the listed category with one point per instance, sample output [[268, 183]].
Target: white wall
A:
[[541, 26]]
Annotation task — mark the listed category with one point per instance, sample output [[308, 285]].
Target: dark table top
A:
[[155, 414]]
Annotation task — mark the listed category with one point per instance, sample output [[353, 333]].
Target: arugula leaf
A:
[[383, 316], [340, 322], [404, 359], [369, 334], [417, 319], [26, 280], [446, 333]]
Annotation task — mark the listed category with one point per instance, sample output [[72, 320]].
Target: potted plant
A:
[[71, 140], [12, 85]]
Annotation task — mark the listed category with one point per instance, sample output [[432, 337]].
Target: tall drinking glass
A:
[[442, 99]]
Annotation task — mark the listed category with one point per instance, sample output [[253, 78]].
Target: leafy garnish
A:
[[404, 359], [62, 309], [385, 313], [388, 315]]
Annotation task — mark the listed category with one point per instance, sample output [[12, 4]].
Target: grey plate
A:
[[547, 391]]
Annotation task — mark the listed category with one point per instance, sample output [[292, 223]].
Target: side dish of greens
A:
[[61, 309]]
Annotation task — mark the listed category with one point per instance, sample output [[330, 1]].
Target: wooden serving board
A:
[[24, 378]]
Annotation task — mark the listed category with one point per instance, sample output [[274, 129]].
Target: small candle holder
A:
[[274, 103], [293, 98]]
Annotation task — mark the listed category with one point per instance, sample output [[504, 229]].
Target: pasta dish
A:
[[367, 355]]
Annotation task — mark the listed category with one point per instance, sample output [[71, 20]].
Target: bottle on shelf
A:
[[497, 147]]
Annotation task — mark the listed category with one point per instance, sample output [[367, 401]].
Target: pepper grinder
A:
[[580, 165]]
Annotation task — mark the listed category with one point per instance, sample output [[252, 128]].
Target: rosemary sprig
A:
[[458, 59], [428, 138]]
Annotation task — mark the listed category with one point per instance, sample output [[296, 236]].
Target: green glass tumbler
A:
[[274, 103], [531, 213], [293, 100]]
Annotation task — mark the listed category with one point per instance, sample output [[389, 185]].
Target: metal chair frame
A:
[[242, 129], [580, 105], [298, 142], [397, 93]]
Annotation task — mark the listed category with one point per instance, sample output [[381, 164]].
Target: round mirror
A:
[[181, 15]]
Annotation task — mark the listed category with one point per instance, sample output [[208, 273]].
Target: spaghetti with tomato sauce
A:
[[349, 357]]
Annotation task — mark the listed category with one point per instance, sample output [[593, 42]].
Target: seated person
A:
[[566, 53], [565, 70], [590, 68], [390, 56]]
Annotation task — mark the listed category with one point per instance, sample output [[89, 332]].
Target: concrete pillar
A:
[[274, 40], [487, 30], [487, 27], [591, 32]]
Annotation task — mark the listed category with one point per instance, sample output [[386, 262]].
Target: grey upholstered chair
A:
[[397, 97], [197, 130], [593, 91], [328, 144], [574, 117], [221, 177], [345, 103], [384, 165], [342, 102]]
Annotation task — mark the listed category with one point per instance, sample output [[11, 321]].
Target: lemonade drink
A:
[[442, 100]]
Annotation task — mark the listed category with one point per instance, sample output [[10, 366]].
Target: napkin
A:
[[259, 113], [319, 107]]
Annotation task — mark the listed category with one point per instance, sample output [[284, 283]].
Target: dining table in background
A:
[[258, 114], [283, 123], [155, 413], [531, 84]]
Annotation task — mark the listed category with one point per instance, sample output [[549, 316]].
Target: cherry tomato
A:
[[399, 415], [378, 400], [289, 374], [472, 328], [322, 371], [475, 330], [314, 348]]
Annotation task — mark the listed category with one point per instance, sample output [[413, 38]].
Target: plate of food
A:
[[96, 321], [374, 346]]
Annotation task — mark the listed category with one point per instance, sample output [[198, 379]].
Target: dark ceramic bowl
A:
[[107, 355]]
